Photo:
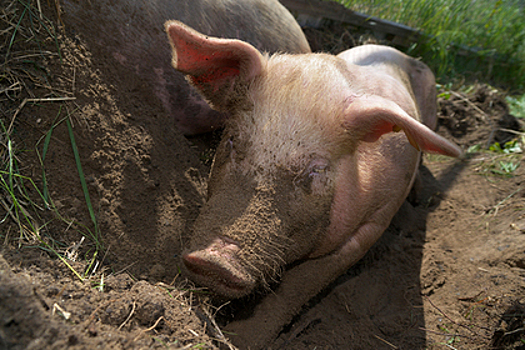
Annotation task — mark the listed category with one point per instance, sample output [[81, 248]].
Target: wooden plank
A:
[[337, 12]]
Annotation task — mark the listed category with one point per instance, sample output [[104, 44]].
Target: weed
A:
[[511, 147], [498, 160], [517, 105]]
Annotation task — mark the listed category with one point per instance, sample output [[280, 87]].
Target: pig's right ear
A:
[[216, 67], [367, 118]]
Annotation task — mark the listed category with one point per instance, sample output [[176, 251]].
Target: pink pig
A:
[[311, 168]]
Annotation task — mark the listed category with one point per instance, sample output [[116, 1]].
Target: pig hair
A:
[[292, 112]]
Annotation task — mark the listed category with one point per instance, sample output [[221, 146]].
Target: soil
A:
[[449, 273]]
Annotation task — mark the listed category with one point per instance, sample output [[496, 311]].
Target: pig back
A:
[[265, 24], [131, 34]]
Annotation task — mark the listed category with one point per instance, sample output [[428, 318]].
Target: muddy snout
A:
[[217, 267]]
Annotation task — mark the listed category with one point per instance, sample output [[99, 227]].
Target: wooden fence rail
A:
[[308, 11]]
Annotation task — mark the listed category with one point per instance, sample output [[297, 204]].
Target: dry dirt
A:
[[449, 273]]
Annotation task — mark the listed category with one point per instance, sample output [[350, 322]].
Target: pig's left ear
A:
[[216, 67], [368, 117]]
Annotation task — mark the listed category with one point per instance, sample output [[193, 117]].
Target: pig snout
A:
[[218, 266]]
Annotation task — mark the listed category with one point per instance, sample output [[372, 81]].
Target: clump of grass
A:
[[517, 105], [22, 44], [20, 206], [494, 31], [93, 235], [499, 160]]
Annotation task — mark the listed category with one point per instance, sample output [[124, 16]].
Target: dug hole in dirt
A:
[[448, 273]]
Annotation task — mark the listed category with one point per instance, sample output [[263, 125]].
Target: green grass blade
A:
[[11, 42], [27, 6], [47, 140], [83, 183]]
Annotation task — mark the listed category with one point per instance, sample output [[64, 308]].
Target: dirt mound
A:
[[482, 118], [449, 272]]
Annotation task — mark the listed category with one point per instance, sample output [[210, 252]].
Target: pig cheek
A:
[[311, 214], [220, 169], [224, 163]]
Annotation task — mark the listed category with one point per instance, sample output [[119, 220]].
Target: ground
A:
[[449, 273]]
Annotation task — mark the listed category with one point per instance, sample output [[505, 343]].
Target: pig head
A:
[[311, 168]]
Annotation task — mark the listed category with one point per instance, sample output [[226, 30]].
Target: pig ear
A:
[[216, 67], [369, 117]]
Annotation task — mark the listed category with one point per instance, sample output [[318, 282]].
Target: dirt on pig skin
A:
[[449, 271], [129, 35]]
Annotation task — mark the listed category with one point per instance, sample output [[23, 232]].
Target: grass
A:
[[96, 235], [495, 30], [499, 160], [22, 79], [22, 207], [517, 105], [24, 201]]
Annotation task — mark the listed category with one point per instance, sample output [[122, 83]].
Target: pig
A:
[[310, 170], [131, 33]]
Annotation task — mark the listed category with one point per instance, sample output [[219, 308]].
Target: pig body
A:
[[131, 32], [310, 170]]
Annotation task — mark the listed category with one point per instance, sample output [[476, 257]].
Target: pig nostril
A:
[[195, 263]]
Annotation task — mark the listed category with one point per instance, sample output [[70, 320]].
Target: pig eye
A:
[[318, 167], [314, 177], [318, 170]]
